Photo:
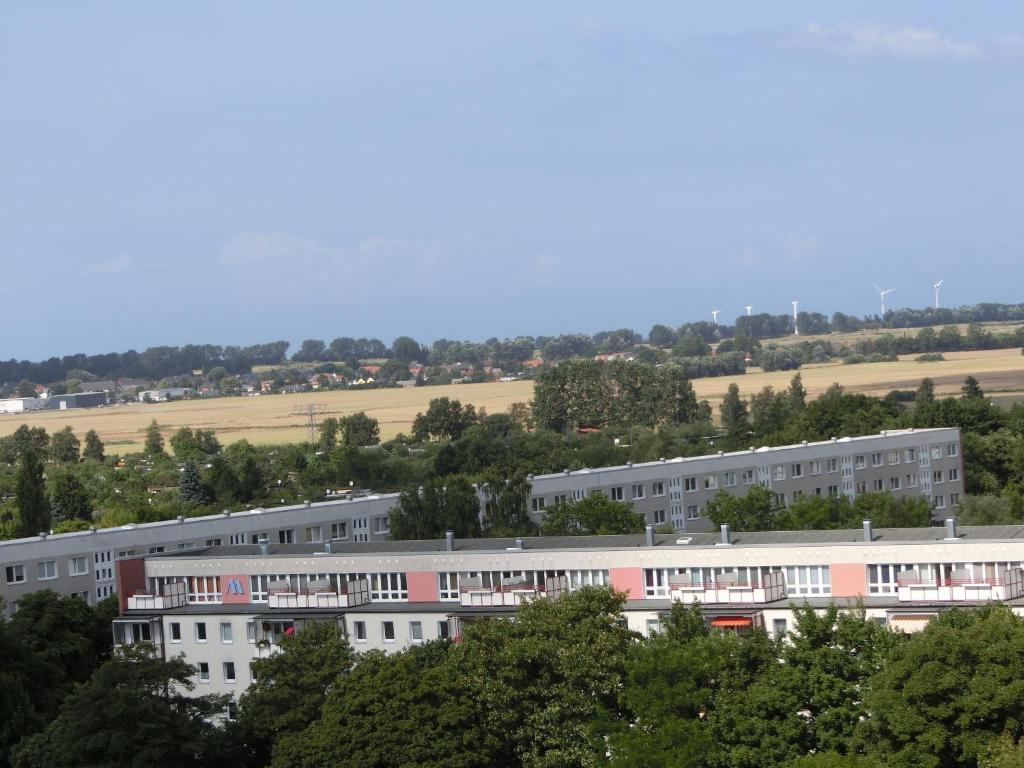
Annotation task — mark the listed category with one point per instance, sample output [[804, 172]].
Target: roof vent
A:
[[726, 536], [305, 502], [449, 541], [832, 439], [662, 459], [869, 535], [566, 470], [43, 535], [951, 529], [329, 547], [684, 540], [753, 449], [264, 546], [519, 543], [629, 463], [227, 513], [181, 518], [721, 453], [649, 535]]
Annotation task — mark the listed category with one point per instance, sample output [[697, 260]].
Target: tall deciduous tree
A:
[[595, 514], [64, 446], [734, 413], [68, 499], [359, 429], [30, 496], [93, 446], [442, 504], [154, 445]]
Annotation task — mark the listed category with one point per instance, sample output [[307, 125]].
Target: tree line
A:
[[564, 682]]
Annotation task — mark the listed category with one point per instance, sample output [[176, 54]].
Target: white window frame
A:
[[384, 627], [638, 491], [78, 566], [46, 570], [227, 633], [658, 488]]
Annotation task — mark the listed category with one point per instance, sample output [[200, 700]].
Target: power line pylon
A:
[[310, 412]]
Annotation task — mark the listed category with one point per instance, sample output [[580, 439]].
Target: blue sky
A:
[[240, 172]]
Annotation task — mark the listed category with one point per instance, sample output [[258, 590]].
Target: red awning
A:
[[732, 621]]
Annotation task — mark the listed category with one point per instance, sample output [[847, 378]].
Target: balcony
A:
[[511, 592], [727, 589], [318, 594], [172, 596], [961, 586]]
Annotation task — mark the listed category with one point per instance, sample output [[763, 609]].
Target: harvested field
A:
[[272, 419]]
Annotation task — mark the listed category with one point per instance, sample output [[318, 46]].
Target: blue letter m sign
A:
[[235, 587]]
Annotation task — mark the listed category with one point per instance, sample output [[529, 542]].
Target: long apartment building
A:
[[676, 491], [82, 563], [910, 462], [224, 606]]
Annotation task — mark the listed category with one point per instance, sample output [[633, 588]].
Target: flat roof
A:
[[884, 536], [754, 451]]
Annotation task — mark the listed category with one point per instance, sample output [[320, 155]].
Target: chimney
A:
[[726, 535], [950, 528], [227, 513], [181, 518], [649, 535], [329, 547], [305, 502], [264, 546], [869, 535], [43, 535], [519, 543], [449, 541]]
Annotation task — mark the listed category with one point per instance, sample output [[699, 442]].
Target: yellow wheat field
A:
[[273, 418]]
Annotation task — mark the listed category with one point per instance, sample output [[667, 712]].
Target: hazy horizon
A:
[[236, 173]]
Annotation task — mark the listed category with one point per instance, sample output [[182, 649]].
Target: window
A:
[[204, 589], [658, 488], [797, 494], [83, 596], [653, 627], [448, 585], [156, 550], [858, 462], [876, 459], [387, 630], [952, 449], [879, 485], [729, 479], [797, 470], [833, 491], [175, 632], [416, 631], [250, 631], [381, 525], [748, 477], [388, 586], [226, 635], [862, 486], [78, 566], [882, 579], [780, 472], [815, 467], [710, 482], [204, 672], [213, 542], [339, 530], [780, 499], [235, 539], [954, 475], [831, 465], [313, 534], [286, 536], [911, 481], [200, 631], [940, 502], [936, 451], [655, 582], [692, 512], [808, 580], [442, 630], [47, 570], [894, 483], [616, 493], [561, 498], [937, 476], [359, 630], [186, 545], [690, 484], [229, 671], [910, 455], [659, 517], [638, 490], [253, 672], [894, 457], [954, 498], [537, 503], [780, 628]]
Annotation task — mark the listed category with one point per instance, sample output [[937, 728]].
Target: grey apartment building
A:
[[673, 491], [82, 563], [911, 462]]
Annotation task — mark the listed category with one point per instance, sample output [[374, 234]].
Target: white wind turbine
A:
[[936, 286], [748, 308], [796, 328], [714, 316], [881, 295]]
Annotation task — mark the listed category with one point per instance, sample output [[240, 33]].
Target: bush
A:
[[854, 359], [930, 357]]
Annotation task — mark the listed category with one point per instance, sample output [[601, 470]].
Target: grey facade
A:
[[76, 400], [83, 563], [923, 462]]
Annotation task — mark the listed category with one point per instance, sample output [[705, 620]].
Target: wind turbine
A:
[[881, 295], [748, 308], [796, 328], [936, 286], [714, 316]]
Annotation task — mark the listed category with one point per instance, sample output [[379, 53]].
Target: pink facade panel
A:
[[628, 580], [422, 586], [848, 579], [234, 589]]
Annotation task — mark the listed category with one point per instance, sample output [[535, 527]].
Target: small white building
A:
[[21, 404], [161, 395]]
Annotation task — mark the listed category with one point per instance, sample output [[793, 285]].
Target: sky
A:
[[238, 172]]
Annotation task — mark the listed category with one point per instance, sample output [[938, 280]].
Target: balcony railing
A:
[[960, 587], [728, 590], [173, 596], [349, 595], [504, 594]]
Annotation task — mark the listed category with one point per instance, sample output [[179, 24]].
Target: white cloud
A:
[[114, 266], [255, 247], [876, 41]]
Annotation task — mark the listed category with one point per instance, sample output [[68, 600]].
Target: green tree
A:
[[505, 498], [406, 349], [358, 429], [191, 489], [64, 446], [755, 511], [68, 499], [690, 345], [445, 419], [987, 510], [154, 445], [30, 496], [328, 433], [442, 504], [93, 446], [595, 514], [25, 389], [733, 411], [972, 390], [291, 685], [925, 394], [136, 706]]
